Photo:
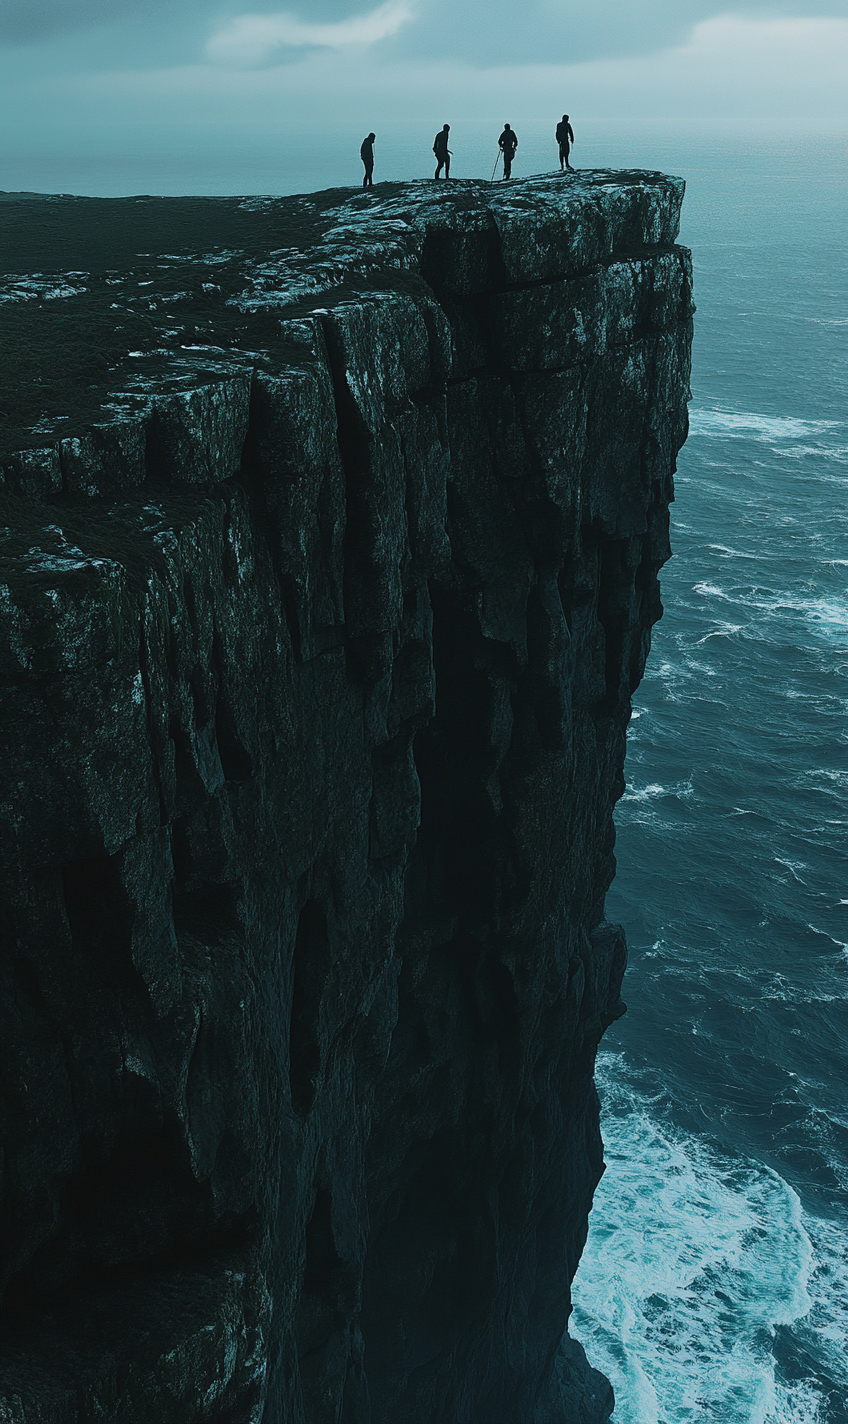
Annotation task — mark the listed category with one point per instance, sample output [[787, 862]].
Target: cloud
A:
[[31, 21], [488, 33], [250, 40], [481, 33]]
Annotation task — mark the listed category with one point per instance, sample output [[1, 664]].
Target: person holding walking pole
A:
[[442, 152], [508, 143]]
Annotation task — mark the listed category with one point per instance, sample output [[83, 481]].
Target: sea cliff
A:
[[331, 529]]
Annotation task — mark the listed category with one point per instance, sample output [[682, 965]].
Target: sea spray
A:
[[694, 1259]]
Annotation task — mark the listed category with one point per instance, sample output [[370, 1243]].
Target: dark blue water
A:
[[714, 1285]]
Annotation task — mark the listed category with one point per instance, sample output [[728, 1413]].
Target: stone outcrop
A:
[[323, 599]]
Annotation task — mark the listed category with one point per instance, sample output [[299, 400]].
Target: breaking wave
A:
[[696, 1267]]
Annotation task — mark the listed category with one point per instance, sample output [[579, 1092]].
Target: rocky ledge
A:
[[331, 529]]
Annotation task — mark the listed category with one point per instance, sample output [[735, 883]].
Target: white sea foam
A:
[[734, 553], [788, 992], [793, 866], [823, 777], [821, 452], [840, 944], [746, 422], [683, 790], [693, 1260], [828, 615], [724, 630], [28, 289]]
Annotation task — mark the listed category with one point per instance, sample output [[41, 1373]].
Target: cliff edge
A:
[[330, 533]]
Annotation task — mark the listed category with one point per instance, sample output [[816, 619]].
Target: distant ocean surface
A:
[[714, 1286]]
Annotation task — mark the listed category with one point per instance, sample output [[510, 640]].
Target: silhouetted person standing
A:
[[366, 153], [508, 143], [442, 152], [564, 137]]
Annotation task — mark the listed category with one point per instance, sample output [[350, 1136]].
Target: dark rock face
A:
[[317, 651]]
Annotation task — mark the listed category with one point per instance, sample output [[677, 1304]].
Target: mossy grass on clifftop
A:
[[103, 300]]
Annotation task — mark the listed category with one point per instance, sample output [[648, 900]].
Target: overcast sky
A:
[[96, 75]]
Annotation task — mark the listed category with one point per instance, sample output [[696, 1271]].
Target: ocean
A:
[[714, 1285]]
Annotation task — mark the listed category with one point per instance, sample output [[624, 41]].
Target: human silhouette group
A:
[[507, 146]]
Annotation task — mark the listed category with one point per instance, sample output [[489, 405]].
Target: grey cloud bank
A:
[[478, 32], [495, 32]]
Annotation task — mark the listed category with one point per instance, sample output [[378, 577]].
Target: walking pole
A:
[[497, 161]]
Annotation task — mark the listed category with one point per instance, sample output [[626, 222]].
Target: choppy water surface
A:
[[714, 1286]]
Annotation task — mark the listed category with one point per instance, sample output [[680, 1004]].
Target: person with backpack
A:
[[442, 152], [564, 137], [508, 143], [366, 153]]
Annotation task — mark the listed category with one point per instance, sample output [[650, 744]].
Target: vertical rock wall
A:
[[314, 722]]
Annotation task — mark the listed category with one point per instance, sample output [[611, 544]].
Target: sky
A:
[[195, 83]]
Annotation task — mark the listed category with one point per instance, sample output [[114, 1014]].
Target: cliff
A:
[[332, 528]]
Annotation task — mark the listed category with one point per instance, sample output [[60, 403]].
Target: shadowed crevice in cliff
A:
[[99, 914], [291, 467], [142, 1191], [456, 757], [431, 1266], [236, 761], [327, 1301], [310, 971], [451, 260], [367, 652]]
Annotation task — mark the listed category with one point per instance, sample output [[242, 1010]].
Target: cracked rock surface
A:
[[330, 535]]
